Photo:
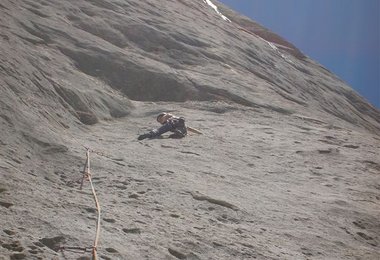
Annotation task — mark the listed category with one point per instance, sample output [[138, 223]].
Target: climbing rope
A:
[[86, 175], [94, 248]]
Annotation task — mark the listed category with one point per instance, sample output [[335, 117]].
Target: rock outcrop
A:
[[287, 167]]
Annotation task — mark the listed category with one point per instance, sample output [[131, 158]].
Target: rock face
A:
[[287, 168]]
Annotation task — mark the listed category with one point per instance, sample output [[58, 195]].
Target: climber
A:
[[170, 123]]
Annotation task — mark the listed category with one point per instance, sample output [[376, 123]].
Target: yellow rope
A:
[[87, 175], [94, 249]]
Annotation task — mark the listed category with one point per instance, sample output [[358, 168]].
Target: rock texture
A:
[[287, 168]]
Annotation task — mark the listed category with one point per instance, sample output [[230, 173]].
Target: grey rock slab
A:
[[287, 166]]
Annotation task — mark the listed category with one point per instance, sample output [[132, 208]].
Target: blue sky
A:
[[342, 35]]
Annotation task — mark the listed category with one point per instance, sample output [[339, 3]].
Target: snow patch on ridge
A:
[[274, 47], [216, 10]]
